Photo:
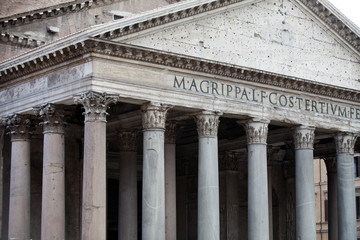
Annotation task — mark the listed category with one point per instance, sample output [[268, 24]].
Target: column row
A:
[[156, 205]]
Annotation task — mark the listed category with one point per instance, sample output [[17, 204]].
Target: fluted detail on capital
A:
[[256, 130], [304, 137], [95, 104], [154, 115], [345, 142], [170, 132], [127, 141], [208, 123], [18, 126], [229, 162], [52, 118], [330, 163]]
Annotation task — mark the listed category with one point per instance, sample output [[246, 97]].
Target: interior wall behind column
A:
[[73, 186], [36, 185], [6, 186]]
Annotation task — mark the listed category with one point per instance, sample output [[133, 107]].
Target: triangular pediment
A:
[[277, 36]]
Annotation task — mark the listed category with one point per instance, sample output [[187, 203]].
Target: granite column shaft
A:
[[208, 179], [258, 203], [345, 186], [53, 183], [304, 183], [94, 169], [153, 202], [170, 182], [19, 203]]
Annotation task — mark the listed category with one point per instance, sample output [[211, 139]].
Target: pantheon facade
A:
[[196, 120]]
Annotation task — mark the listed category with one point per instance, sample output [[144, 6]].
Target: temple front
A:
[[196, 120]]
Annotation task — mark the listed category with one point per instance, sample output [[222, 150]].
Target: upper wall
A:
[[272, 35]]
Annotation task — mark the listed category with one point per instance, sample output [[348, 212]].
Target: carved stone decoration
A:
[[170, 132], [127, 140], [331, 165], [304, 137], [18, 126], [154, 115], [95, 104], [229, 162], [52, 118], [208, 123], [345, 142], [256, 130]]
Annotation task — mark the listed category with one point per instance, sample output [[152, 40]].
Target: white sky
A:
[[350, 8]]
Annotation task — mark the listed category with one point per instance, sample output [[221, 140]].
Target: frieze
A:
[[154, 115], [207, 123], [95, 104], [345, 142], [177, 61], [304, 137]]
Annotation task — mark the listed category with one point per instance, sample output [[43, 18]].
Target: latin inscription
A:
[[266, 97]]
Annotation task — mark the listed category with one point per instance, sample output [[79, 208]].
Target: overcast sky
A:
[[351, 9]]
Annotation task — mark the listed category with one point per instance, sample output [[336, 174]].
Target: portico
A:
[[170, 145]]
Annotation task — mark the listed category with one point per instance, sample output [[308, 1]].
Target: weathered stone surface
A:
[[273, 37]]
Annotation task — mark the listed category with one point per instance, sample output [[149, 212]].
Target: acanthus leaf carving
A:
[[154, 115], [208, 123], [52, 118], [304, 137], [345, 142], [256, 130], [128, 140], [95, 104], [18, 126]]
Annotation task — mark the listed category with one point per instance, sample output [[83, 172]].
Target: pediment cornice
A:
[[56, 10], [184, 62], [320, 8]]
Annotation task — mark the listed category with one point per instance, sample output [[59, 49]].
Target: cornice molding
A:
[[326, 14], [52, 11], [162, 19], [177, 61], [20, 41], [329, 16]]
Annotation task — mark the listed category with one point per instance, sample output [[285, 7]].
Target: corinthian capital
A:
[[208, 123], [52, 118], [256, 130], [127, 141], [170, 132], [154, 115], [95, 105], [345, 142], [304, 137], [18, 126]]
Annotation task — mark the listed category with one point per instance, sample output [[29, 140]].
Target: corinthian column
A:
[[19, 203], [170, 181], [346, 188], [208, 186], [127, 186], [53, 185], [332, 198], [304, 183], [153, 204], [94, 172], [258, 203]]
